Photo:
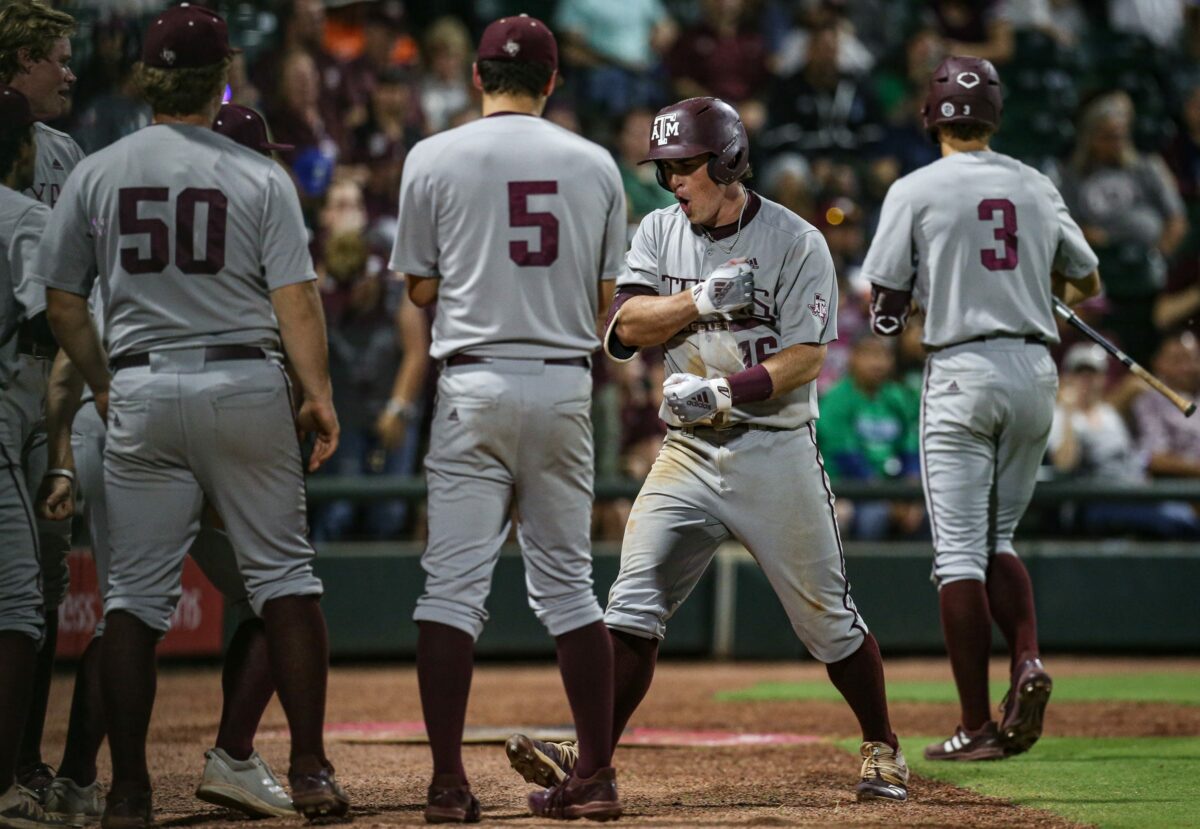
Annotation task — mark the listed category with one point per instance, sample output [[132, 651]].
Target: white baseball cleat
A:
[[249, 786]]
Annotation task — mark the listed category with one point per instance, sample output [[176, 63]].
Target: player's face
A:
[[698, 195], [47, 83]]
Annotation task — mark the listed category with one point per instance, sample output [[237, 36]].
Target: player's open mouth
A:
[[685, 204]]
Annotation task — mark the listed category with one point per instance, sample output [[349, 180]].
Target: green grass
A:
[[1180, 688], [1112, 781]]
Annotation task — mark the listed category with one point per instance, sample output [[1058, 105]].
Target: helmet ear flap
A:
[[661, 176]]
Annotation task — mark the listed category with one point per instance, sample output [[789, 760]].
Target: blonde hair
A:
[[30, 25], [182, 91], [447, 34], [1114, 106]]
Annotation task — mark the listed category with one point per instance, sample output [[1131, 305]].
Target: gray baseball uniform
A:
[[519, 219], [754, 473], [22, 407], [975, 236], [187, 257], [22, 222]]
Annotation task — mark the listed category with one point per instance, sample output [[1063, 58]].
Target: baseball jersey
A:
[[795, 300], [520, 219], [189, 232], [22, 222], [975, 236]]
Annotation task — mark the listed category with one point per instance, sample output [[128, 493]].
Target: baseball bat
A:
[[1180, 402]]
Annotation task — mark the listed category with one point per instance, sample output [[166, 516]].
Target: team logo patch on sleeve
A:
[[819, 308]]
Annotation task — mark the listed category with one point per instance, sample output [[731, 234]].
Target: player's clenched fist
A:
[[728, 288], [691, 398]]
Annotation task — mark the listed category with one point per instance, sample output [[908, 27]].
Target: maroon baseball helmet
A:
[[963, 91], [696, 126], [246, 127]]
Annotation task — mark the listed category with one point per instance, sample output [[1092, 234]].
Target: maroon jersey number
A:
[[519, 215], [159, 234], [1006, 232]]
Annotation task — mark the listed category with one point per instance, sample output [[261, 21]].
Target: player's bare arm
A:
[[1073, 291], [653, 320], [72, 325], [794, 366], [608, 289], [63, 390], [422, 290], [302, 328], [413, 333]]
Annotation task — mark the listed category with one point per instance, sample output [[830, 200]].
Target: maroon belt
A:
[[470, 360], [212, 354]]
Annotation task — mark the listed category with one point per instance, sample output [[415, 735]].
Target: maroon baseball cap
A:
[[15, 112], [186, 37], [519, 39], [246, 127]]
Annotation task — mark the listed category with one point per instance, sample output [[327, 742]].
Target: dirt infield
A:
[[810, 784]]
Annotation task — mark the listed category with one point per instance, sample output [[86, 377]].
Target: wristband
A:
[[750, 385], [397, 408], [700, 296], [60, 473]]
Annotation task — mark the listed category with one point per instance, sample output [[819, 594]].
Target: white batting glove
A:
[[691, 398], [728, 288]]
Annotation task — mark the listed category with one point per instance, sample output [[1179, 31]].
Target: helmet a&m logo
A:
[[168, 56], [511, 48], [665, 126], [967, 80]]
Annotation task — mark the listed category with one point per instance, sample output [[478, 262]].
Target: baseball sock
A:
[[445, 662], [1010, 596], [298, 644], [85, 729], [247, 687], [18, 655], [859, 678], [634, 658], [35, 722], [585, 658], [967, 629], [129, 676]]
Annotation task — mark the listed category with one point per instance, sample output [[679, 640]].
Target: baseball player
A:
[[206, 281], [35, 54], [515, 227], [22, 621], [742, 295], [980, 241], [235, 775]]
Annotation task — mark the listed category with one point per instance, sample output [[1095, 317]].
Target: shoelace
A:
[[568, 754], [884, 766]]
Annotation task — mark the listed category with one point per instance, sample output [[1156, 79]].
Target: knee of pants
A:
[[950, 567], [646, 620], [303, 583], [831, 637], [152, 611], [563, 614], [23, 617], [465, 616]]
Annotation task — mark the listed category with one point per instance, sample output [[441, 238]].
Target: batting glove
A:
[[691, 398], [728, 288]]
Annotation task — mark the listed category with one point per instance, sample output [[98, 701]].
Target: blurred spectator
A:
[[381, 53], [723, 55], [614, 49], [788, 179], [377, 360], [114, 108], [1062, 20], [974, 27], [1160, 21], [1130, 211], [820, 109], [643, 194], [900, 92], [1180, 301], [379, 146], [853, 57], [446, 87], [1171, 441], [868, 431], [297, 119], [1089, 440]]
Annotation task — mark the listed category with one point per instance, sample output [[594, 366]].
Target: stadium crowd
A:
[[1102, 96]]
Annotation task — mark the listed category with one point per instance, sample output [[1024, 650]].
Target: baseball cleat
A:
[[248, 786], [36, 779], [1024, 707], [543, 763], [20, 810], [318, 796], [594, 798], [74, 804], [132, 811], [984, 744], [884, 773], [451, 801]]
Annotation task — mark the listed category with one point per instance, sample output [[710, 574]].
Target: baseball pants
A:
[[180, 432], [21, 605], [986, 411], [510, 433], [768, 490]]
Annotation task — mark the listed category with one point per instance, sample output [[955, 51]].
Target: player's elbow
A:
[[422, 291], [1090, 286], [63, 310]]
